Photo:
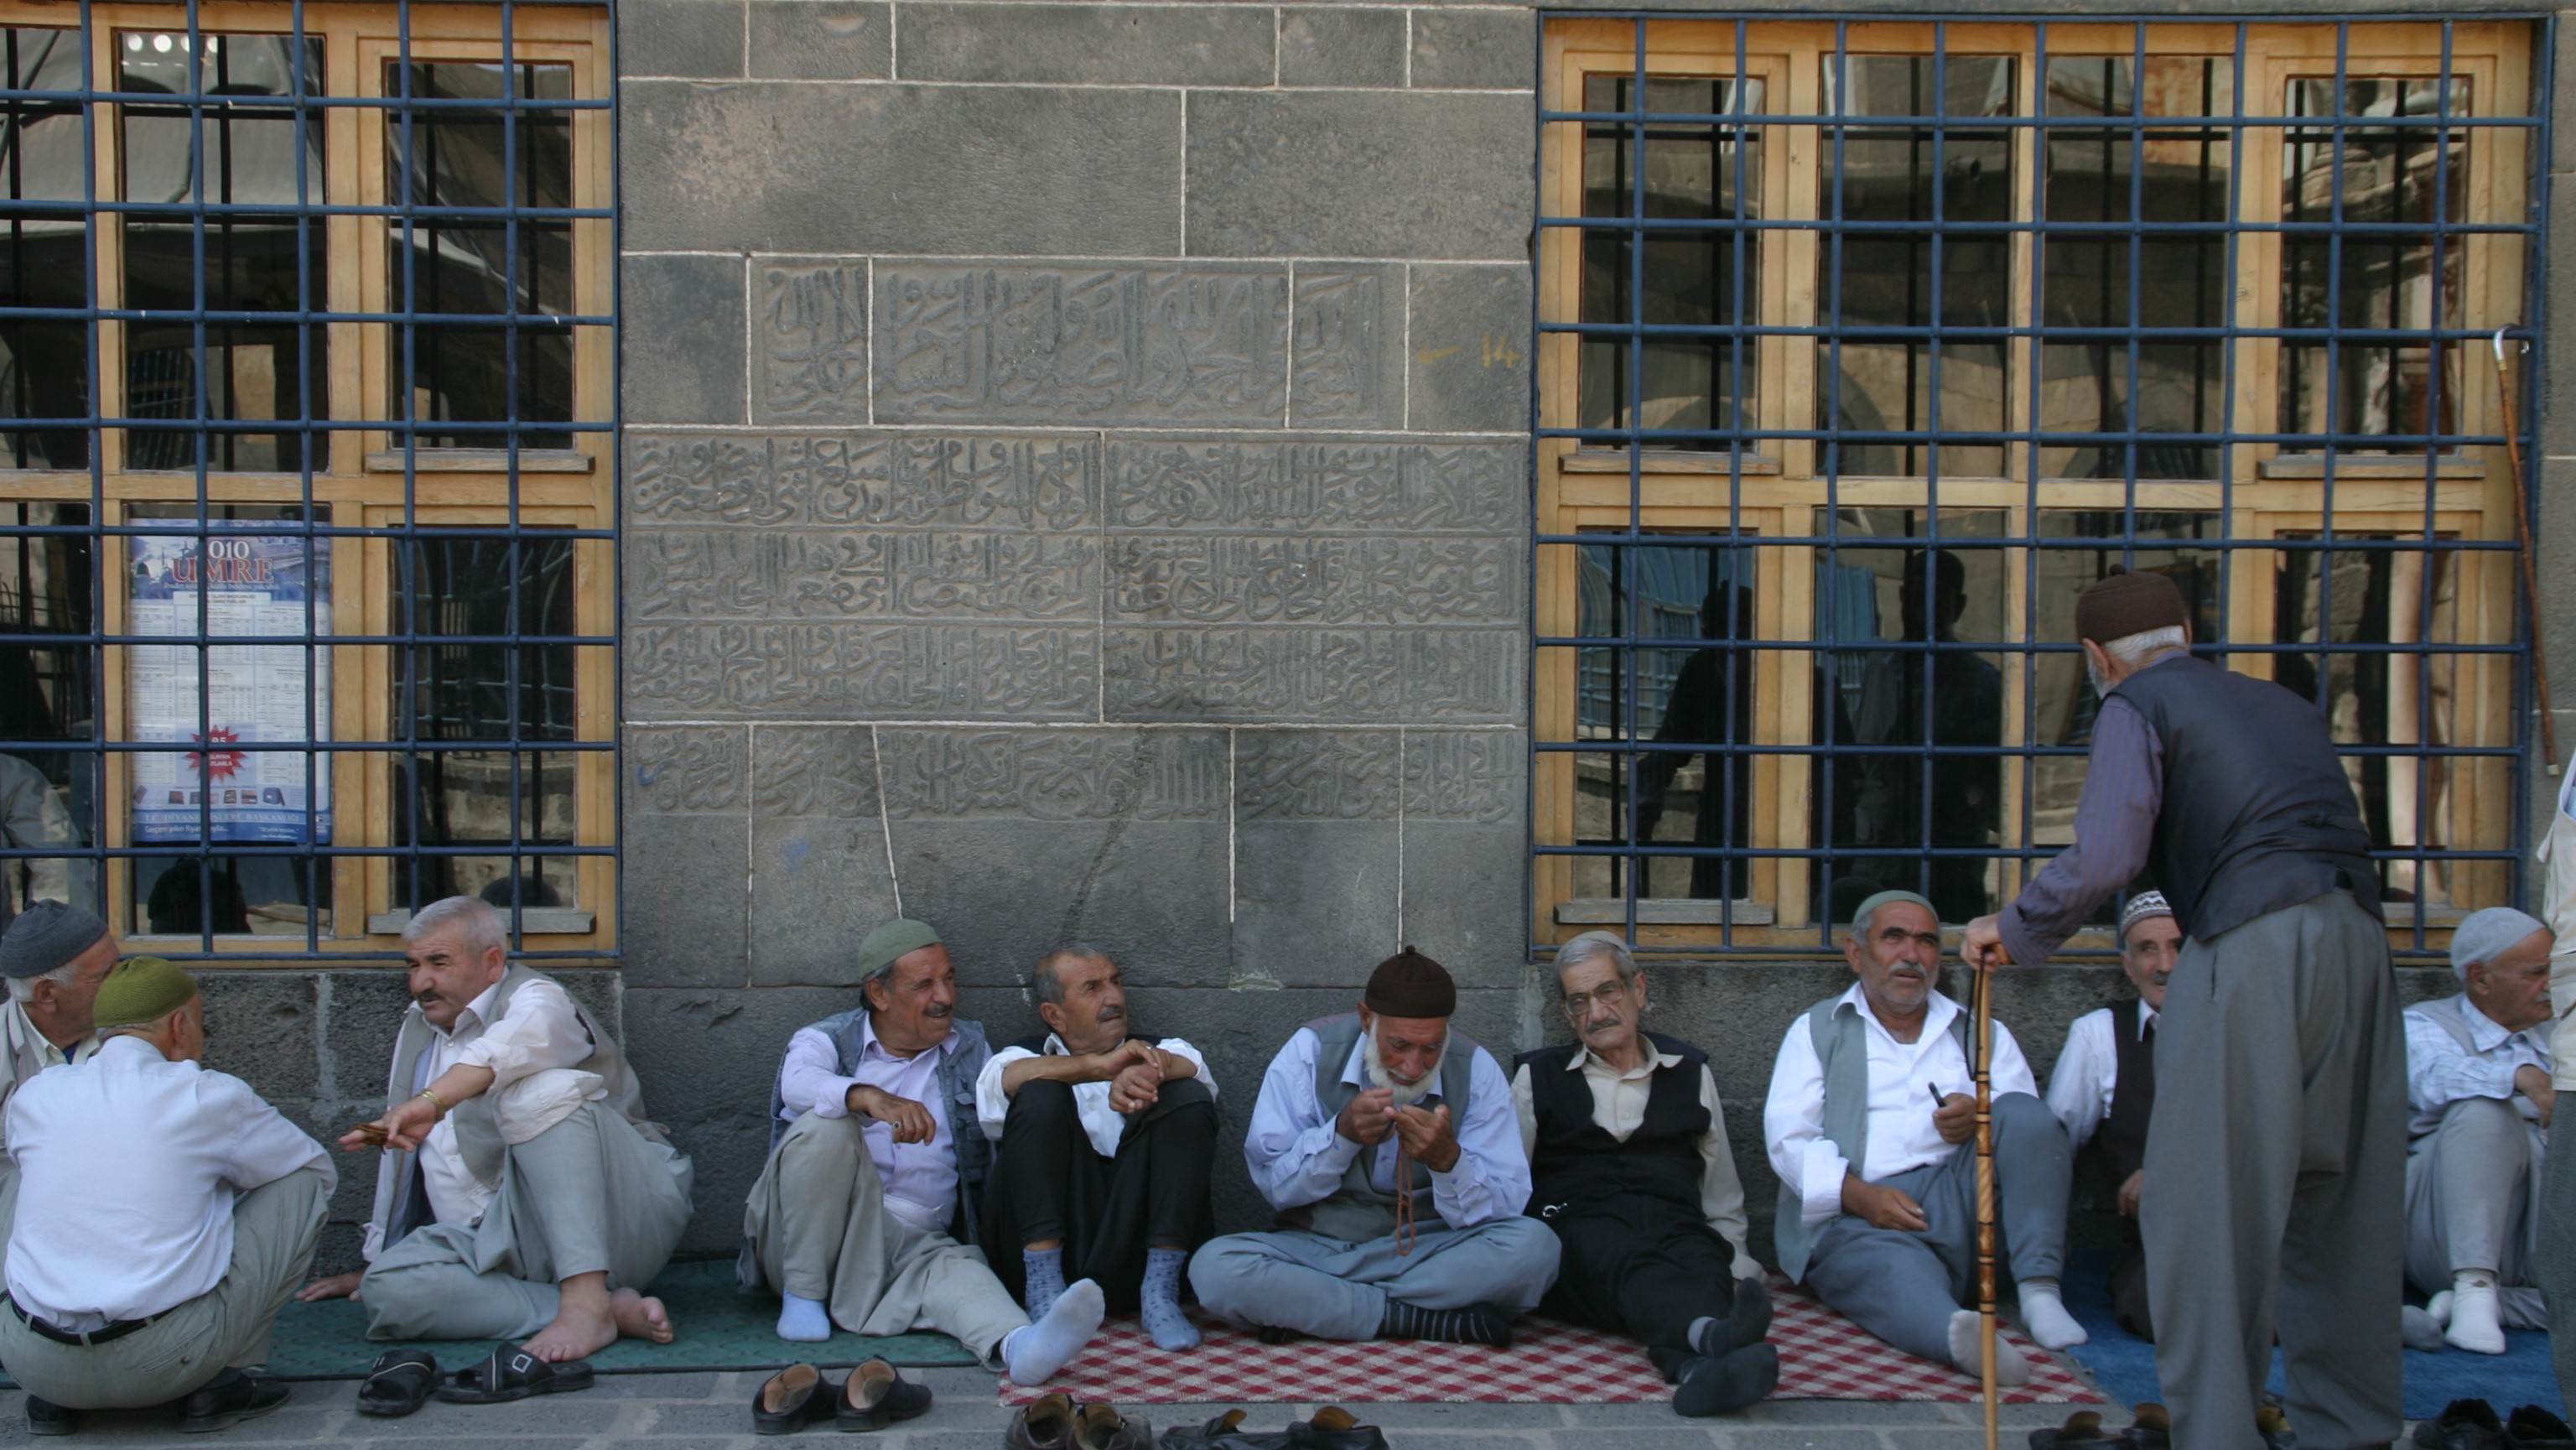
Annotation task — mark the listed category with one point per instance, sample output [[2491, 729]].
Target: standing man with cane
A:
[[2276, 1161]]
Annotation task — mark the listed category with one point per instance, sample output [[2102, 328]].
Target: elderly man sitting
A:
[[2478, 1072], [1103, 1141], [1361, 1117], [1628, 1157], [864, 1215], [161, 1215], [1871, 1100], [523, 1193], [2105, 1085]]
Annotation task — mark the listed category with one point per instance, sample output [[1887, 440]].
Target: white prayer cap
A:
[[2485, 935]]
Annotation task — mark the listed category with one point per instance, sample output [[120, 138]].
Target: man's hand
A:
[[1982, 946], [2533, 1083], [1956, 1118], [2131, 1192], [1367, 1118], [405, 1126], [1138, 1085], [1882, 1207], [1427, 1137], [338, 1286], [912, 1122]]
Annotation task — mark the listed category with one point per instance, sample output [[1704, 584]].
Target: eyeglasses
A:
[[1580, 1003]]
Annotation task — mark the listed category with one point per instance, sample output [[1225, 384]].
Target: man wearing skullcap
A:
[[523, 1194], [2105, 1085], [1872, 1103], [868, 1214], [55, 956], [1630, 1167], [2478, 1068], [160, 1217], [2275, 1167], [1387, 1143]]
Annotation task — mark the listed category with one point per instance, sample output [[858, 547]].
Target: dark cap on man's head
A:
[[1410, 985], [45, 936], [2128, 602]]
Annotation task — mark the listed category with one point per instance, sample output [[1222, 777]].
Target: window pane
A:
[[459, 376], [47, 797], [2361, 387], [2161, 174], [1879, 707], [1922, 177], [1672, 170], [245, 144], [44, 364]]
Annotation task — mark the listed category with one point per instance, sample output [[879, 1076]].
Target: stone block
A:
[[683, 906], [861, 671], [1230, 579], [1465, 776], [1150, 893], [693, 770], [1039, 44], [1037, 482], [1475, 49], [1341, 47], [1205, 343], [1317, 775], [1359, 174], [1314, 900], [819, 877], [682, 335], [265, 1028], [1465, 896], [1470, 355], [679, 37], [895, 573], [1272, 675], [2557, 602], [823, 40], [1349, 347], [2556, 357], [1054, 775], [974, 170], [1319, 485], [809, 352]]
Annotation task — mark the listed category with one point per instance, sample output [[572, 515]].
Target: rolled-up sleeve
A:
[[1793, 1128], [2115, 826], [992, 1102], [1491, 1178], [1292, 1150], [539, 1030], [810, 1080], [1178, 1048]]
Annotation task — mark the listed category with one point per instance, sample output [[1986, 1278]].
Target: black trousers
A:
[[1643, 1267], [1048, 1182]]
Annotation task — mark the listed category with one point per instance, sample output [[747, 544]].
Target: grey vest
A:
[[956, 1078], [1842, 1046], [1357, 1212]]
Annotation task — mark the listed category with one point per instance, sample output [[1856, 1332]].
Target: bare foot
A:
[[579, 1331], [640, 1318]]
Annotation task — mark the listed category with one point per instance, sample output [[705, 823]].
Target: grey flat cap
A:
[[45, 936]]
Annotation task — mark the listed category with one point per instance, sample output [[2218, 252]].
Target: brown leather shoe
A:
[[1099, 1426], [1044, 1424]]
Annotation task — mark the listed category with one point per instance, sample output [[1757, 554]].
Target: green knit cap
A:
[[896, 938], [142, 989]]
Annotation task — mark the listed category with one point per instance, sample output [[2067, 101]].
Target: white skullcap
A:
[[2485, 935]]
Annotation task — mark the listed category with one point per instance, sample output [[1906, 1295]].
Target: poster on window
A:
[[249, 584]]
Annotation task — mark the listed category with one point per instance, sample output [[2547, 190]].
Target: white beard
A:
[[1406, 1094]]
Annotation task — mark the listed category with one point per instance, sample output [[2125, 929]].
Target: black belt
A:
[[102, 1335]]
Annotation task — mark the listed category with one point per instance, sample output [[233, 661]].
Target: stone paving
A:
[[712, 1412]]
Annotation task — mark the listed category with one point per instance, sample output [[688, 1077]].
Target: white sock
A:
[[805, 1320], [1033, 1354], [2475, 1325], [2010, 1367], [2044, 1314]]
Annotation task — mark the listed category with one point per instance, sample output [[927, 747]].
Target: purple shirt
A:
[[2115, 827]]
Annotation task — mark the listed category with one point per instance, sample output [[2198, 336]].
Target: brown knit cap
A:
[[1410, 985], [2127, 603]]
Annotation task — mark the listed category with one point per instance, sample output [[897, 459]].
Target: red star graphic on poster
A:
[[217, 764]]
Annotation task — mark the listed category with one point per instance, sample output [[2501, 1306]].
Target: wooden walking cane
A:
[[1982, 1007]]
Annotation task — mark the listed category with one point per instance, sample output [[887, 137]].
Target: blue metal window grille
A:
[[1875, 355], [290, 641]]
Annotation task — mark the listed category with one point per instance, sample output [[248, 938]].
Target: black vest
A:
[[2133, 1093], [2258, 814], [1576, 1160]]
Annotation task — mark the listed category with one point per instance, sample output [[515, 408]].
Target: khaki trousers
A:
[[819, 1228]]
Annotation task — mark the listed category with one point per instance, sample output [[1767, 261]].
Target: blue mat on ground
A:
[[718, 1328], [2125, 1365]]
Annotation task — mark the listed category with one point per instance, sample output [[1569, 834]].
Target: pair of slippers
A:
[[873, 1397], [2083, 1430], [404, 1379]]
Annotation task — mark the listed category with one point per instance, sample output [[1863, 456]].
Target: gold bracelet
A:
[[435, 1101]]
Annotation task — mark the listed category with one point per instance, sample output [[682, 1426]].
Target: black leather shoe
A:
[[2533, 1428], [875, 1397], [791, 1399], [2463, 1425], [232, 1398], [1334, 1428], [44, 1417]]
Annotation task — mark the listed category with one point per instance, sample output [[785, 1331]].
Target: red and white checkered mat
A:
[[1823, 1356]]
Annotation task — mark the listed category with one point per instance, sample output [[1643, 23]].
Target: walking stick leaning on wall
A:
[[1981, 1008]]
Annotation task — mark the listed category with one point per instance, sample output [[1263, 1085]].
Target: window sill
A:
[[533, 921], [1662, 911], [2368, 465], [1615, 460], [483, 460]]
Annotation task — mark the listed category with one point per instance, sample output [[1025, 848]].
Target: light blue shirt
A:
[[2439, 1074], [1297, 1157]]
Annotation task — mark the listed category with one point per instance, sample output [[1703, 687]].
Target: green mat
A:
[[718, 1328]]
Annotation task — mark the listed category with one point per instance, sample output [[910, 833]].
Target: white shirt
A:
[[1297, 1157], [1104, 1125], [539, 1031], [1619, 1108], [2439, 1074], [2088, 1072], [1904, 1078], [128, 1165], [920, 1178]]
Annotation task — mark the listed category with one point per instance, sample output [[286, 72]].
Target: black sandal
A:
[[515, 1374], [399, 1384]]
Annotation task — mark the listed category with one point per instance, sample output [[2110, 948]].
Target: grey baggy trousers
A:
[[818, 1225], [274, 1229], [589, 1194], [2473, 1202], [1293, 1279], [2276, 1179]]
